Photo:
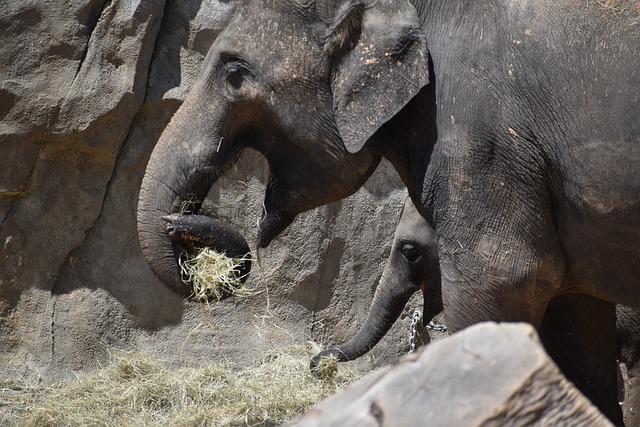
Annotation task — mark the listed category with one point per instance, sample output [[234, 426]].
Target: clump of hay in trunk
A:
[[213, 275], [136, 390], [327, 368]]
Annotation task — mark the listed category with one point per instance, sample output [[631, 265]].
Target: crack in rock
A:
[[54, 300], [92, 27], [27, 186]]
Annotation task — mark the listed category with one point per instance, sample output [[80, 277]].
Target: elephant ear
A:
[[379, 62]]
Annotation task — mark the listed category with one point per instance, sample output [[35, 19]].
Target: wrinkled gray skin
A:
[[412, 266], [517, 135]]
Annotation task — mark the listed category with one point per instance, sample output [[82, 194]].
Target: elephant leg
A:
[[632, 396], [515, 279], [499, 284], [628, 325], [501, 259], [500, 256], [579, 333]]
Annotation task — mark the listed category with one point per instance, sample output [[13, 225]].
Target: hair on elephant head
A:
[[306, 83], [411, 266]]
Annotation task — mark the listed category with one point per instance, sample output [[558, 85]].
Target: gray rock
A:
[[487, 375], [86, 89]]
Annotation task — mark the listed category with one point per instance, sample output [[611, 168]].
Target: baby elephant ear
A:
[[379, 56]]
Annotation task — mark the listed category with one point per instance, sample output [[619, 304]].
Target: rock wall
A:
[[86, 88]]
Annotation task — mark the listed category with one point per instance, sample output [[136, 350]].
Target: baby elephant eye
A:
[[410, 252]]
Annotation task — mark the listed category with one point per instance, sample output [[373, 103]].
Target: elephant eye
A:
[[410, 252], [235, 75]]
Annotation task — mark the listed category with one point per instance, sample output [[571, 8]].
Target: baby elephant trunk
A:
[[388, 302]]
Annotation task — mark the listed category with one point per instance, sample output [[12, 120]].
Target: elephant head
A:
[[412, 266], [307, 83]]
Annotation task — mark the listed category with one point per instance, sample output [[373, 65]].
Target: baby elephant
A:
[[412, 266]]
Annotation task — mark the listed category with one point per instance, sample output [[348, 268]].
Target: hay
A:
[[618, 8], [189, 205], [327, 368], [136, 390], [212, 275]]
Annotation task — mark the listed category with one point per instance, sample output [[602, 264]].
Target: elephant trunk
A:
[[388, 302], [183, 166]]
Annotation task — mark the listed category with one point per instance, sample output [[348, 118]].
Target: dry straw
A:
[[620, 5], [135, 390], [212, 275], [327, 368]]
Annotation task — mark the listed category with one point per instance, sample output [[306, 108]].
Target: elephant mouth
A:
[[270, 227], [189, 226]]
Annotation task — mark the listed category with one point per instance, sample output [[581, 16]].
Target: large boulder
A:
[[487, 375], [86, 88]]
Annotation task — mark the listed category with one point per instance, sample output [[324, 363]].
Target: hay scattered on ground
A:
[[620, 7], [213, 275], [136, 390]]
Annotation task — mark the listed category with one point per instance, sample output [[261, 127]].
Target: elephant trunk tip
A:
[[325, 363]]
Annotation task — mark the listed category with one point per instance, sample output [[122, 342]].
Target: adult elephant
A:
[[516, 134]]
